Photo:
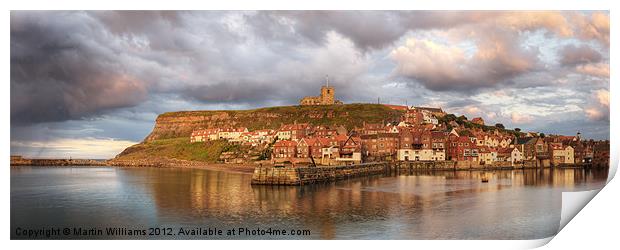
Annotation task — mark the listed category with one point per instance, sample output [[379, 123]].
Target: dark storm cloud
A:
[[71, 65], [462, 102], [108, 74], [572, 55], [368, 30], [62, 68], [234, 92], [122, 22]]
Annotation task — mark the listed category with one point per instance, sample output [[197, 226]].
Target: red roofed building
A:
[[372, 128], [462, 149], [293, 132], [379, 147], [414, 117], [202, 135], [284, 149], [231, 133], [324, 131]]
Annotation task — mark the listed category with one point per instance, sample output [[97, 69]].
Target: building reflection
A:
[[409, 202]]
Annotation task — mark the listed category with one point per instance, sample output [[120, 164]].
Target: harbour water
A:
[[514, 204]]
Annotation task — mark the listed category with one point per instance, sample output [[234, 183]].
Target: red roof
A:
[[285, 143], [327, 141], [341, 138], [309, 140], [204, 132], [505, 150]]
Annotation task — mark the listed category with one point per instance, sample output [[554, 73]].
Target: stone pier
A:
[[310, 175]]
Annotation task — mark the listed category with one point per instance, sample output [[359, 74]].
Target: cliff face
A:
[[181, 124]]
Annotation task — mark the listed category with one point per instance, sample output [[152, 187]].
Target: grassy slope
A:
[[177, 148]]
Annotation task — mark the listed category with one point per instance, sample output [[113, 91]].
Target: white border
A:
[[596, 220]]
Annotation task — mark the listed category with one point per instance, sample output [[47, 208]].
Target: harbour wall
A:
[[311, 175], [303, 175]]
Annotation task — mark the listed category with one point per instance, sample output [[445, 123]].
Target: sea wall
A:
[[57, 162], [310, 175]]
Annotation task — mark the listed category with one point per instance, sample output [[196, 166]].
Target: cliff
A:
[[182, 123], [170, 136]]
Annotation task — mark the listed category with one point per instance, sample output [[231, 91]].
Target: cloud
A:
[[61, 59], [603, 97], [594, 114], [598, 110], [573, 55], [518, 118], [444, 67], [62, 69], [593, 27], [597, 70], [92, 67]]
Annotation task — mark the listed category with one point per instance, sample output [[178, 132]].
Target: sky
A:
[[87, 84]]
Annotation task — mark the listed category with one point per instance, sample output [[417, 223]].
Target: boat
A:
[[485, 178]]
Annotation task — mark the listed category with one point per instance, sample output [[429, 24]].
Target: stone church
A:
[[326, 97]]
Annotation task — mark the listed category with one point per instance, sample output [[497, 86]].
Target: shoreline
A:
[[160, 163], [247, 168]]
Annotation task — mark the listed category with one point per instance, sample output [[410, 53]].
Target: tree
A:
[[499, 125], [518, 129], [465, 132], [450, 117], [542, 135]]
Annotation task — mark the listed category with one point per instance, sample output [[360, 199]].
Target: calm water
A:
[[433, 205]]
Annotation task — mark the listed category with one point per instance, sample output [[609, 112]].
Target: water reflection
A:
[[521, 204]]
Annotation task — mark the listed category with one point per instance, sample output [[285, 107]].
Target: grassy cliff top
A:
[[176, 148], [354, 107], [348, 115]]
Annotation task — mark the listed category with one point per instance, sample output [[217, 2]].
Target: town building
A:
[[294, 131], [512, 155], [379, 147], [231, 133], [487, 155], [561, 154], [202, 135], [462, 149], [284, 149], [350, 150]]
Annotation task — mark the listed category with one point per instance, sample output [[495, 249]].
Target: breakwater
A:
[[57, 162], [311, 175]]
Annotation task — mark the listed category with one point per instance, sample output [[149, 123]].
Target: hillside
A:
[[170, 135], [182, 123]]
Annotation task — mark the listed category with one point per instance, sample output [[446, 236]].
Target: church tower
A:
[[327, 93]]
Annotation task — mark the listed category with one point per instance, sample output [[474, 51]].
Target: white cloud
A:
[[594, 69], [603, 97], [594, 114], [518, 118]]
